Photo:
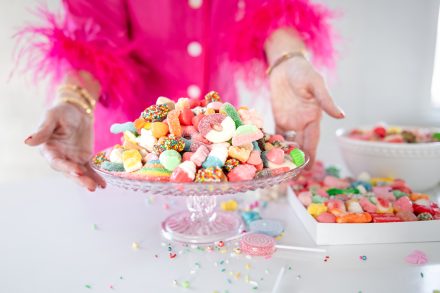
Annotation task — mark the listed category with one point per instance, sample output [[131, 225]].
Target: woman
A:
[[123, 54]]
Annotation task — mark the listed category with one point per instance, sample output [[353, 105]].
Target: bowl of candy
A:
[[409, 153]]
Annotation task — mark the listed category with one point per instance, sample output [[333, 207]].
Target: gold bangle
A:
[[78, 103], [81, 91], [284, 57]]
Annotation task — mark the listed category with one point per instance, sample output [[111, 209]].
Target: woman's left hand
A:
[[299, 95]]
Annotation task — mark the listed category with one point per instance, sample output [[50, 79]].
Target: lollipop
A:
[[262, 245]]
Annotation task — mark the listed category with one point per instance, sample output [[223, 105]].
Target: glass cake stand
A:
[[201, 223]]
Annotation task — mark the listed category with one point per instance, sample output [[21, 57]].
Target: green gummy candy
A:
[[436, 136], [297, 156], [335, 191], [232, 112], [112, 167], [351, 191], [122, 127], [398, 194], [170, 159]]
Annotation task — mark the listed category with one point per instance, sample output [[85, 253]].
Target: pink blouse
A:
[[142, 49]]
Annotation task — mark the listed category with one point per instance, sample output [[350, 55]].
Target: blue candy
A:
[[250, 216], [112, 167], [212, 162], [366, 185], [187, 146], [264, 159], [122, 127]]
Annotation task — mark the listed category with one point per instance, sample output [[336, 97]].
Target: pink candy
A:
[[403, 204], [257, 245], [334, 182], [188, 131], [276, 156], [417, 257], [208, 122], [255, 158], [326, 217], [367, 205], [200, 155], [242, 172]]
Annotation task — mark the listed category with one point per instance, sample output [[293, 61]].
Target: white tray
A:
[[334, 234]]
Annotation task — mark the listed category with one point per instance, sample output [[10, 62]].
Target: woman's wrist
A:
[[79, 89], [284, 41]]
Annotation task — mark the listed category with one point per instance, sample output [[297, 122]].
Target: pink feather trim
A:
[[247, 37], [58, 46]]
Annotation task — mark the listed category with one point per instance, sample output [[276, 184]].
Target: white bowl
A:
[[418, 164]]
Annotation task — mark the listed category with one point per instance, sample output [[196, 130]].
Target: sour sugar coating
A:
[[182, 103], [212, 96], [155, 113], [242, 172], [231, 164], [354, 218], [211, 174], [239, 153], [200, 155], [122, 127], [185, 172], [170, 159], [113, 167], [154, 171], [230, 110], [159, 129], [132, 160], [168, 143], [146, 140], [217, 156], [174, 123], [246, 134], [217, 127]]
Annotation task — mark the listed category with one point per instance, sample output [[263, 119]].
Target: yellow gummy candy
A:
[[315, 209], [229, 205], [132, 160], [376, 180], [130, 141]]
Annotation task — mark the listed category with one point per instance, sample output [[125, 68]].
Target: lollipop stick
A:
[[278, 280], [288, 247]]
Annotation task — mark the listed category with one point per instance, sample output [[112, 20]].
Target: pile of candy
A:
[[198, 141], [331, 199], [395, 135]]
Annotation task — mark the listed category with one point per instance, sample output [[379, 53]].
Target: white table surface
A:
[[49, 245]]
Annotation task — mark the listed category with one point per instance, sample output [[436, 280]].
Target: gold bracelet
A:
[[284, 57], [77, 102], [81, 91]]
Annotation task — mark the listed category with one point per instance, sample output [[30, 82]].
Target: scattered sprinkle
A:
[[175, 283], [246, 278], [326, 258], [363, 257], [197, 265], [290, 268], [416, 257], [229, 281], [186, 284], [121, 277], [223, 270], [298, 277], [237, 275], [247, 266], [135, 245], [172, 255], [95, 227], [88, 286], [436, 291], [266, 271], [220, 244], [253, 283], [421, 275]]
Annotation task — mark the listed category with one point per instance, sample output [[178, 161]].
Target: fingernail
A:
[[75, 174], [341, 112], [27, 139], [91, 189]]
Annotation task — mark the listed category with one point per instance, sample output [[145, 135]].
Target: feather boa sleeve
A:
[[260, 18], [77, 40]]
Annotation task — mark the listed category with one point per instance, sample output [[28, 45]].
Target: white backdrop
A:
[[384, 74]]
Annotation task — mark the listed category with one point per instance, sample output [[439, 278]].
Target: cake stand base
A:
[[182, 227]]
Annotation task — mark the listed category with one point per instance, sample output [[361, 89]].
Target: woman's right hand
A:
[[66, 142]]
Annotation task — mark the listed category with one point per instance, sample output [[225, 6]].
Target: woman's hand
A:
[[298, 91], [66, 142], [299, 95]]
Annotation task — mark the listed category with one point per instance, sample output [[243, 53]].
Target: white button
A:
[[195, 4], [194, 49], [193, 91]]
